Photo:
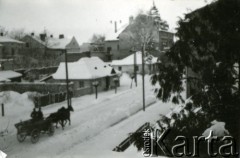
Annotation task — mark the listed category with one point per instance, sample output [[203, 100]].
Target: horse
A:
[[64, 115], [55, 118]]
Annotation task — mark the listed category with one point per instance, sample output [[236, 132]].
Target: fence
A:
[[46, 99], [48, 93], [43, 88]]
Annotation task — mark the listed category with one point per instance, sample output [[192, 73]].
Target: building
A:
[[84, 73], [10, 76], [51, 43], [127, 64], [6, 64], [48, 50], [118, 43], [10, 50]]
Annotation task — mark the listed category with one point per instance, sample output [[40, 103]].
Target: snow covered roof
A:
[[56, 43], [85, 47], [9, 74], [53, 43], [112, 36], [84, 68], [4, 79], [5, 39], [129, 60]]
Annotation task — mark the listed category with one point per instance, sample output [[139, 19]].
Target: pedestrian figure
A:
[[34, 114], [39, 114]]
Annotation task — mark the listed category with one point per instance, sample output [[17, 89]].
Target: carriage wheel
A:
[[51, 130], [35, 136], [21, 137]]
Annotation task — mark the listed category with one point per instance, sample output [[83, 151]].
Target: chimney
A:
[[61, 36], [130, 19], [1, 34], [115, 24], [51, 36], [32, 34], [43, 37]]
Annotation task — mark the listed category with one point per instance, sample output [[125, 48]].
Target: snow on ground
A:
[[16, 107], [98, 125], [111, 137]]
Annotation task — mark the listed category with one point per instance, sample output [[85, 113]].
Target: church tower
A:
[[154, 12]]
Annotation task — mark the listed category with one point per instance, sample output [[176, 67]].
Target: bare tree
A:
[[3, 30], [17, 34], [97, 39], [141, 31]]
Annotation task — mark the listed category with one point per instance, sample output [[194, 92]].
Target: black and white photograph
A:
[[119, 78]]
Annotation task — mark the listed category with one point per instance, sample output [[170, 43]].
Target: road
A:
[[91, 120]]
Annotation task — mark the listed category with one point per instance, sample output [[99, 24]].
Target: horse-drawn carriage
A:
[[34, 128]]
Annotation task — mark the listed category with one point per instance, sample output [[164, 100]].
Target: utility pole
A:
[[67, 82], [143, 73], [135, 68]]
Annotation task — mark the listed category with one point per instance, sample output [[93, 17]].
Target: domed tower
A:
[[161, 24], [154, 12]]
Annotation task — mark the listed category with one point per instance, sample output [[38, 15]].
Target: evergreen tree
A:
[[208, 45]]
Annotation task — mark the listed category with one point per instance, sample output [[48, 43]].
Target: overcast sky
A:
[[82, 18]]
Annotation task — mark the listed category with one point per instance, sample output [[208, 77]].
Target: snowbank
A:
[[15, 106]]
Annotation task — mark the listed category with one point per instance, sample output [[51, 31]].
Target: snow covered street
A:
[[97, 125]]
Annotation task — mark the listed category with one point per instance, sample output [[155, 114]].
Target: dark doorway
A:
[[107, 82]]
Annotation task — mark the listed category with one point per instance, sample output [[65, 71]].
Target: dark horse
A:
[[61, 116], [64, 115], [55, 118]]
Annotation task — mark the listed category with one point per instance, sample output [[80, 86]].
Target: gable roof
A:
[[84, 68], [56, 43], [53, 43], [5, 39], [113, 36], [9, 74], [129, 60]]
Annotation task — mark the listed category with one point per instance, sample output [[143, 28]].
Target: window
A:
[[136, 68], [99, 82], [109, 49], [3, 50], [120, 68], [81, 84], [164, 43], [118, 47], [27, 45], [13, 51]]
